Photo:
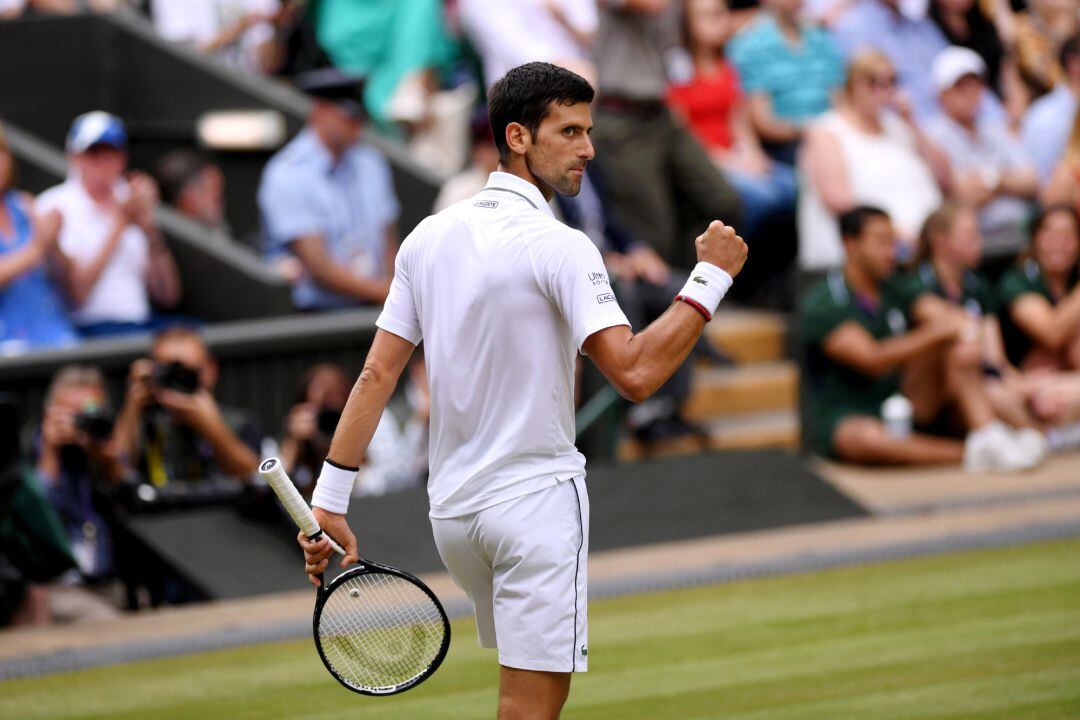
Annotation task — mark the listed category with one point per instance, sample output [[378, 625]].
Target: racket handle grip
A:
[[273, 472]]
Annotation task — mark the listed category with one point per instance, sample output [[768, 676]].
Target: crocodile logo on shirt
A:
[[700, 280], [584, 651]]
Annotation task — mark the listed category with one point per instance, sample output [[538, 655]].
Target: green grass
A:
[[987, 635]]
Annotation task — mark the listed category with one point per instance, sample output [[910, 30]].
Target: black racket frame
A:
[[367, 567]]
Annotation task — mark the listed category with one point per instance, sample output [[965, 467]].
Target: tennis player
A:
[[504, 296]]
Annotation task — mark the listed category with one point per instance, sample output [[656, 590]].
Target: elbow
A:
[[635, 387]]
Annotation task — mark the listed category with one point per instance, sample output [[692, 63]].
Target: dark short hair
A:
[[1069, 50], [854, 221], [525, 94], [1045, 213], [176, 171]]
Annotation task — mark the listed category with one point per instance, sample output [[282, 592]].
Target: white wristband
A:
[[707, 286], [333, 488]]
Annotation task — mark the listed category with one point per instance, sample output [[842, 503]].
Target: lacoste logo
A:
[[605, 297], [489, 204], [584, 651], [700, 280]]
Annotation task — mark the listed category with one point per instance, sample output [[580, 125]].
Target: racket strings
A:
[[379, 630]]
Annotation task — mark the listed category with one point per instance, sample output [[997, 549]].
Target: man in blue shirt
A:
[[1046, 126], [330, 202]]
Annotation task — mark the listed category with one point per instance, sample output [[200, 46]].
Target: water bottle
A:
[[896, 412]]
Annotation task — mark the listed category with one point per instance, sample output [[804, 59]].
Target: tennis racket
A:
[[378, 630]]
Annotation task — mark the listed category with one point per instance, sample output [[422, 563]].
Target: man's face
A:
[[204, 198], [961, 101], [190, 353], [101, 166], [875, 249], [337, 128], [75, 399], [557, 155]]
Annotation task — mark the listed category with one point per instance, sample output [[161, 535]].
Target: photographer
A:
[[77, 465], [171, 428]]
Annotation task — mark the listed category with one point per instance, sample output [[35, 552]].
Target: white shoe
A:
[[1033, 444], [995, 448]]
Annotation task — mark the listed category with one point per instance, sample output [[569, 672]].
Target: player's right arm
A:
[[638, 364]]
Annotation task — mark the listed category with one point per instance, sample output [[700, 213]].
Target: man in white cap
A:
[[119, 261], [990, 169]]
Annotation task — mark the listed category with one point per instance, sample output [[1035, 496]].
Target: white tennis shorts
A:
[[523, 564]]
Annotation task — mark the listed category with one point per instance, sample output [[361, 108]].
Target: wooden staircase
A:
[[750, 405]]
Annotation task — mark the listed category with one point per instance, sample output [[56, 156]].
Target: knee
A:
[[858, 439], [964, 356]]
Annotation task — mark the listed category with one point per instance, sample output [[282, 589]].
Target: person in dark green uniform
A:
[[858, 344], [1039, 303], [946, 279]]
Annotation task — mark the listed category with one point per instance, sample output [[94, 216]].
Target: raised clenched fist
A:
[[721, 246]]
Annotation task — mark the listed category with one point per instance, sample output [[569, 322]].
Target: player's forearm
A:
[[361, 415], [653, 355]]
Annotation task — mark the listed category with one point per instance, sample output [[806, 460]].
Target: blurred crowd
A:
[[911, 168]]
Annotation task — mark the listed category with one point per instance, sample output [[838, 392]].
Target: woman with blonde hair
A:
[[32, 312], [866, 151]]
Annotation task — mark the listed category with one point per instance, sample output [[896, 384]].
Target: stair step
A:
[[746, 431], [722, 391], [748, 336]]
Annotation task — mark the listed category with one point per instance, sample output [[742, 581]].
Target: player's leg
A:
[[531, 694], [864, 439]]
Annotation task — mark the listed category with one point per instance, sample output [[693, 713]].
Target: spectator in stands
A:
[[240, 33], [866, 151], [1046, 126], [329, 200], [666, 182], [77, 464], [471, 180], [171, 428], [32, 312], [1064, 185], [860, 353], [1040, 298], [964, 23], [790, 71], [395, 459], [119, 262], [716, 111], [990, 169], [1041, 32], [195, 186], [510, 34]]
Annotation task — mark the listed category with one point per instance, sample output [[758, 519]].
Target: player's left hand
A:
[[317, 554]]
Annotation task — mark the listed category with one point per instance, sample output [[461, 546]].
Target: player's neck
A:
[[521, 169]]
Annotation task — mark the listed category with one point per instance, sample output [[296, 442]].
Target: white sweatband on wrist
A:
[[706, 288], [333, 488]]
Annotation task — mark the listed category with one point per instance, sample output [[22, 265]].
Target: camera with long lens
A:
[[96, 423], [176, 376]]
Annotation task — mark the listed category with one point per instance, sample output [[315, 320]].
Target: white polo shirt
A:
[[120, 293], [503, 296]]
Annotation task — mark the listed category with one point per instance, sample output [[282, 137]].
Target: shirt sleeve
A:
[[399, 314], [571, 273], [1013, 285], [820, 316], [288, 210]]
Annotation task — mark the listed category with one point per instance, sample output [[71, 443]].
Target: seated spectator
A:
[[32, 312], [1040, 298], [1064, 185], [77, 465], [860, 353], [866, 151], [946, 279], [119, 262], [194, 186], [171, 428], [1041, 32], [329, 200], [990, 169], [394, 460], [471, 180], [910, 43], [240, 33], [667, 186], [510, 34], [790, 71], [716, 111], [965, 24], [1045, 130]]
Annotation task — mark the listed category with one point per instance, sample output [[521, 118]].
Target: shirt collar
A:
[[317, 154], [520, 186]]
